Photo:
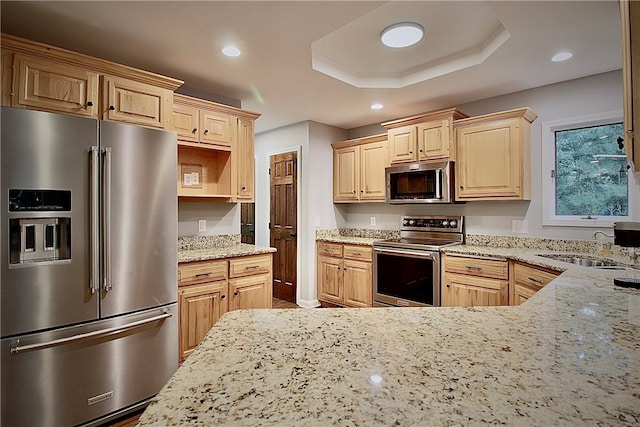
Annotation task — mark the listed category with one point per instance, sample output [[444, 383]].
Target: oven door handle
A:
[[421, 254]]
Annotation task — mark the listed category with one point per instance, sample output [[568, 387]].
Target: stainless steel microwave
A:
[[420, 183]]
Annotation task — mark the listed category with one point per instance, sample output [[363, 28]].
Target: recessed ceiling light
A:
[[376, 106], [403, 34], [561, 56], [231, 51]]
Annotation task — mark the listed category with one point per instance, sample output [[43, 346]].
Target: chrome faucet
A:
[[602, 248], [595, 235]]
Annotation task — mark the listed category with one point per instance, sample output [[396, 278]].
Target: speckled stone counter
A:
[[355, 236], [570, 355], [240, 249]]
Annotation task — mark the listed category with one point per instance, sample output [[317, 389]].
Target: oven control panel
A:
[[434, 223]]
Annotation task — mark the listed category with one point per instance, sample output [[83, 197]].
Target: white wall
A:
[[315, 166], [222, 218], [589, 95]]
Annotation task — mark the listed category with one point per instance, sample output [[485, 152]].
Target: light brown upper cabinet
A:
[[493, 156], [41, 77], [423, 138], [215, 149], [630, 11], [358, 169]]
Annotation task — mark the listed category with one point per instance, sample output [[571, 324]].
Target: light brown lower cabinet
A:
[[525, 280], [474, 281], [345, 274], [208, 289]]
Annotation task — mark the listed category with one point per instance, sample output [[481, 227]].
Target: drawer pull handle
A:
[[356, 253], [208, 273], [473, 267], [534, 280], [252, 267]]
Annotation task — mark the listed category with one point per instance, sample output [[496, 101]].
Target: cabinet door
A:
[[244, 160], [330, 279], [186, 121], [373, 159], [526, 280], [135, 103], [472, 291], [434, 140], [358, 284], [521, 293], [346, 174], [250, 292], [50, 86], [200, 307], [217, 128], [630, 11], [489, 161], [402, 144]]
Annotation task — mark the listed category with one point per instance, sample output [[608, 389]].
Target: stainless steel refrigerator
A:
[[88, 252]]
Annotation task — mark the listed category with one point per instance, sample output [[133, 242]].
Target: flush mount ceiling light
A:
[[561, 56], [403, 34], [231, 51], [376, 106]]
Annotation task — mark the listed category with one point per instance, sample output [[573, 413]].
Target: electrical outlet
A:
[[373, 221], [520, 226], [202, 225]]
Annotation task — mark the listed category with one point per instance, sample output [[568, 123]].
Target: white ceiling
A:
[[472, 50]]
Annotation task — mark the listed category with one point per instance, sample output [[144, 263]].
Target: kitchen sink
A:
[[584, 261]]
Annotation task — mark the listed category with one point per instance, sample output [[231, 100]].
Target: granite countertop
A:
[[240, 249], [570, 355], [350, 240]]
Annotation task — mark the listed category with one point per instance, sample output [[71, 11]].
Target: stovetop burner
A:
[[427, 233]]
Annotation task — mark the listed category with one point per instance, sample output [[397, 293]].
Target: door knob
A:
[[293, 234]]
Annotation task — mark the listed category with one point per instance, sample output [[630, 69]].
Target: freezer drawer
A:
[[73, 375]]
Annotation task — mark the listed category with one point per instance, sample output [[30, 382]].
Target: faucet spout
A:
[[595, 235]]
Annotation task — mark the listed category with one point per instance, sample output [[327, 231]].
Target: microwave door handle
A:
[[438, 181]]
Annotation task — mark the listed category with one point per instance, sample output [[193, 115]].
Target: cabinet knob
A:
[[194, 130], [410, 152], [235, 294], [244, 188], [223, 296], [421, 150], [354, 191], [111, 107], [89, 104], [462, 187], [448, 286], [206, 131]]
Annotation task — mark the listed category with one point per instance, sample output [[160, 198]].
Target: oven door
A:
[[406, 277]]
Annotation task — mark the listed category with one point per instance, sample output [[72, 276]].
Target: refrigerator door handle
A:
[[17, 348], [94, 267], [106, 215]]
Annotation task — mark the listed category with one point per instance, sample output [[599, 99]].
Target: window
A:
[[586, 181]]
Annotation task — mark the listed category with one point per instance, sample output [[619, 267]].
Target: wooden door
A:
[[346, 173], [50, 86], [329, 279], [283, 224], [489, 161], [434, 140], [200, 307], [402, 144], [247, 223], [186, 122], [372, 178], [245, 162], [135, 103], [473, 291], [249, 292], [216, 128], [357, 284]]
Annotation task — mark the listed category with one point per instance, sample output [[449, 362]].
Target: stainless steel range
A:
[[406, 271]]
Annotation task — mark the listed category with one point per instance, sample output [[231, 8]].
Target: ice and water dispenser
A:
[[39, 226]]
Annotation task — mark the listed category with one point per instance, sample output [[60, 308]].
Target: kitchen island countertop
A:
[[570, 355]]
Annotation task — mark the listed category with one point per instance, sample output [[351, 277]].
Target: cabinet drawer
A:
[[330, 249], [249, 265], [532, 276], [200, 272], [481, 267], [363, 253]]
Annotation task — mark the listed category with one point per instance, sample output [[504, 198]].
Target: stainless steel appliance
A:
[[406, 271], [627, 234], [420, 183], [88, 250]]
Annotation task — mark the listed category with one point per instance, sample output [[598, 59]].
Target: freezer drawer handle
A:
[[103, 332]]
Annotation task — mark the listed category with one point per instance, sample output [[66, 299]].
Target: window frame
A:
[[549, 217]]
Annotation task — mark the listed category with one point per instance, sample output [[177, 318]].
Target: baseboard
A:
[[308, 303]]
